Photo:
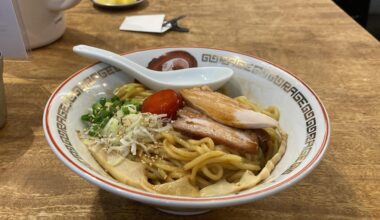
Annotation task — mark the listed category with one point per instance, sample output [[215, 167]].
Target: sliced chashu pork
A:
[[225, 110], [196, 124]]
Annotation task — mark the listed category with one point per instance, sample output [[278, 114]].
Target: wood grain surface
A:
[[314, 39]]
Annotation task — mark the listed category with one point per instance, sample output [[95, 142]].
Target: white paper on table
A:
[[145, 23], [12, 42]]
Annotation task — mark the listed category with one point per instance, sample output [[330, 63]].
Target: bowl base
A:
[[183, 211]]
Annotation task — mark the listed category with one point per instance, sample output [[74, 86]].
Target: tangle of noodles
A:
[[132, 90], [173, 155]]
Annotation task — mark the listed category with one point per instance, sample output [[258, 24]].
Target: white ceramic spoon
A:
[[214, 77]]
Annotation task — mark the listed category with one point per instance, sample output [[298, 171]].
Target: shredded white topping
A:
[[126, 134]]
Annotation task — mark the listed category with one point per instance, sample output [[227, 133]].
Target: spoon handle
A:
[[113, 59]]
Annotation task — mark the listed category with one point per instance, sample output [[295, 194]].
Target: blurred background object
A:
[[117, 4], [365, 12], [13, 39], [44, 20], [3, 109]]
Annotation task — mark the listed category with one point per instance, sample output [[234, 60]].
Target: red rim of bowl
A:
[[290, 180]]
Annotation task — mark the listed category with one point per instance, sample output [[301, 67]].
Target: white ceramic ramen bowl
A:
[[303, 117]]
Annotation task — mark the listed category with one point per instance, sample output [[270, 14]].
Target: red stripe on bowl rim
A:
[[291, 180]]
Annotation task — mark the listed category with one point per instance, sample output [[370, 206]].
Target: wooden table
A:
[[313, 39]]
